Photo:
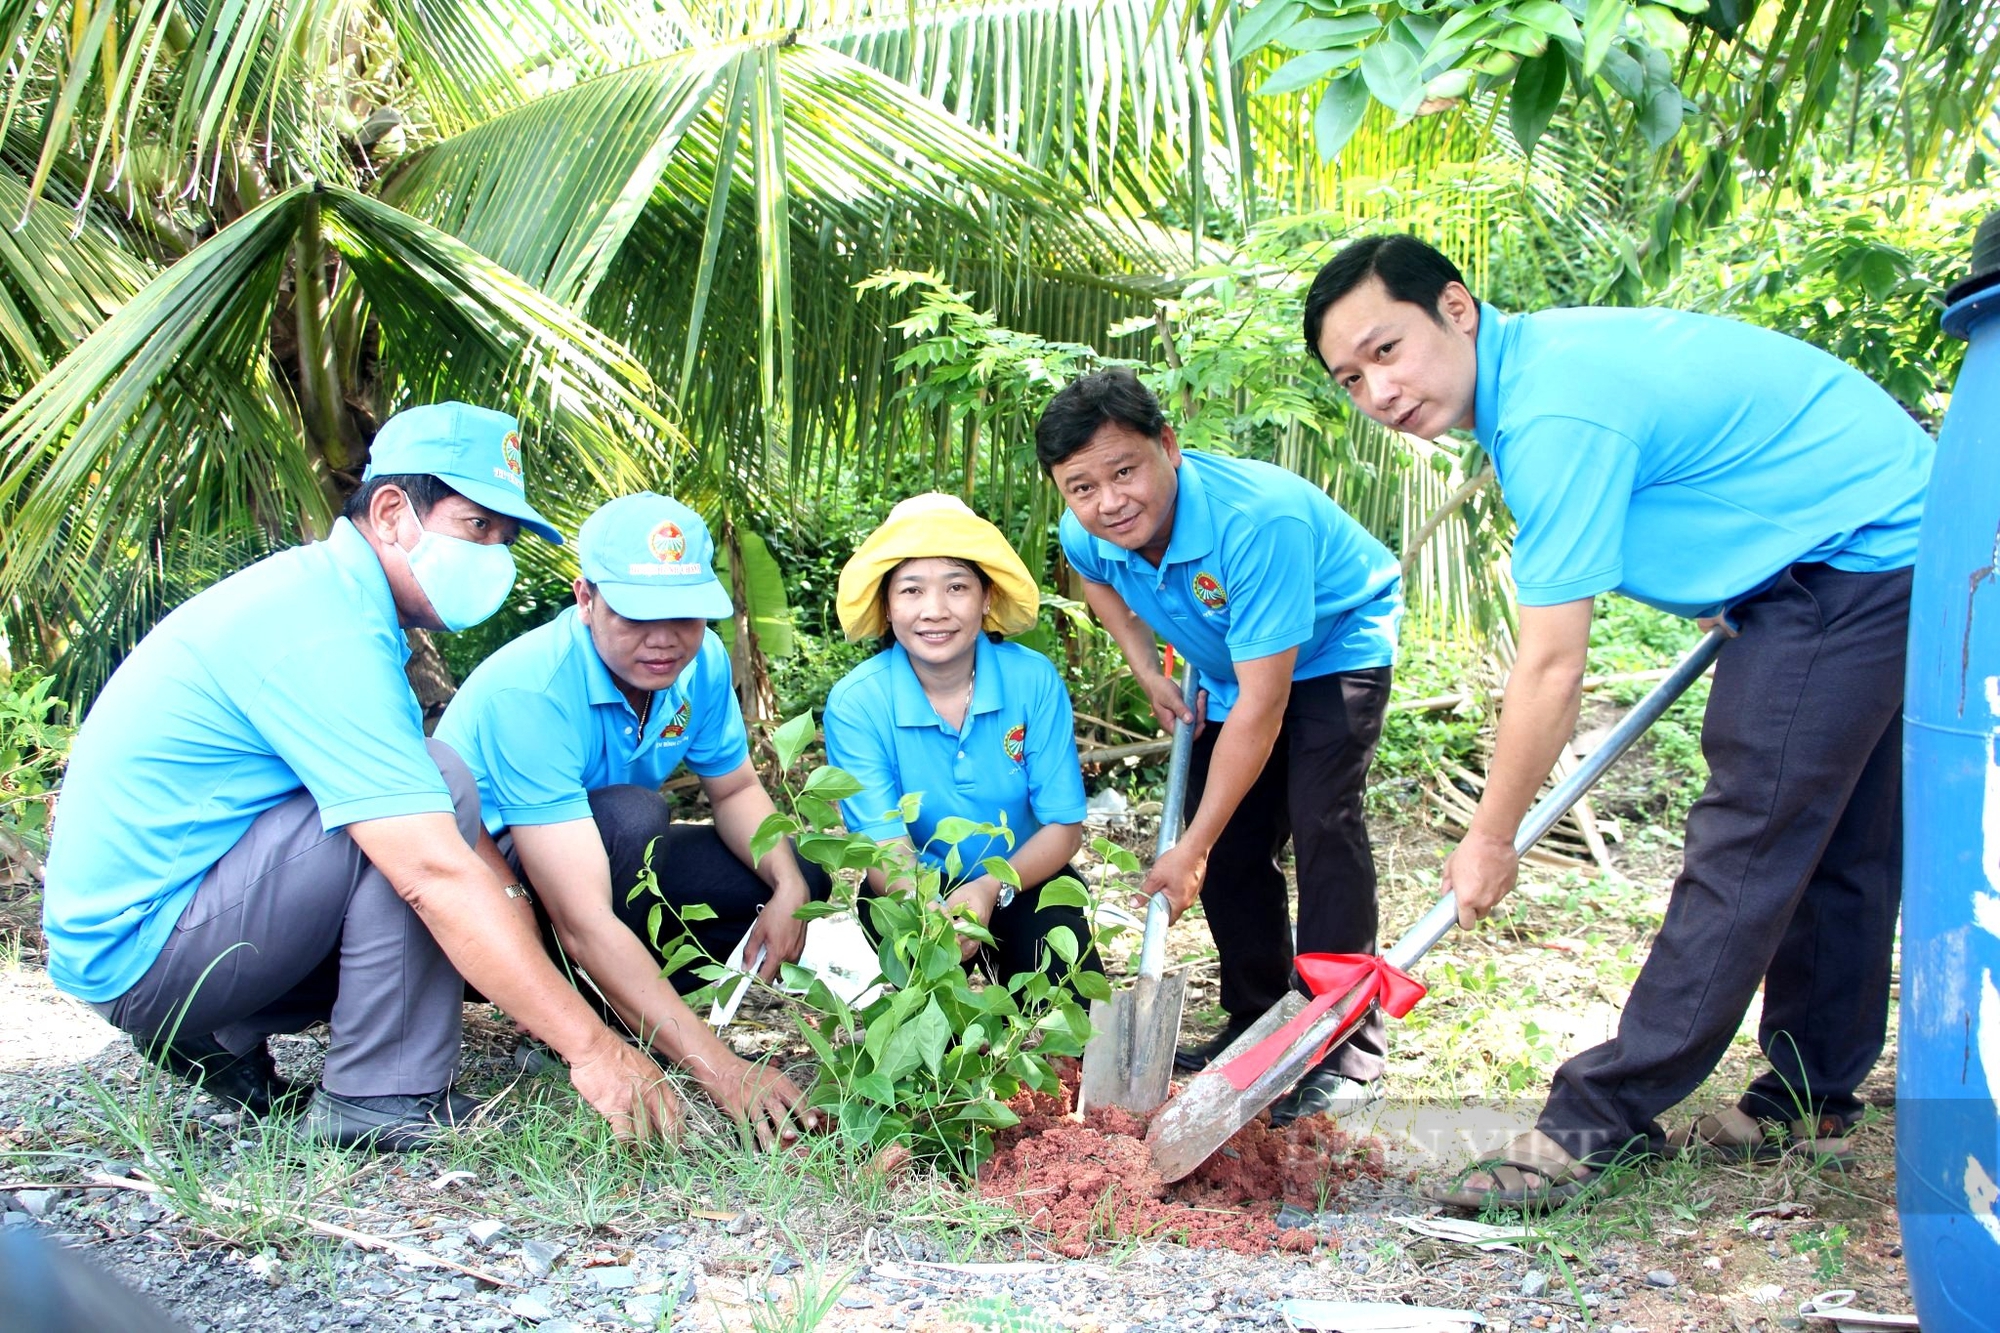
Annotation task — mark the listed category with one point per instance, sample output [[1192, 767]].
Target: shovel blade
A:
[[1129, 1059], [1209, 1109]]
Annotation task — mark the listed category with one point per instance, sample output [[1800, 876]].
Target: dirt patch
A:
[[1089, 1181]]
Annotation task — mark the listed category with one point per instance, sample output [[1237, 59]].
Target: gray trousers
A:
[[294, 926], [1792, 875]]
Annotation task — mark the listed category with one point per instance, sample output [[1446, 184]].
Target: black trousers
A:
[[1310, 791], [1792, 875], [1019, 930], [692, 864]]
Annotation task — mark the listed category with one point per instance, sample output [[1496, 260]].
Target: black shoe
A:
[[394, 1123], [1196, 1058], [1324, 1091], [251, 1080]]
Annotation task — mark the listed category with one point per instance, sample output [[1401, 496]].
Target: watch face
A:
[[1005, 896]]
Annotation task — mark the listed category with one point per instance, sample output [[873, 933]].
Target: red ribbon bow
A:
[[1331, 977]]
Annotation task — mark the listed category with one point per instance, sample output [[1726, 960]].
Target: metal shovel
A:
[[1129, 1060], [1211, 1107]]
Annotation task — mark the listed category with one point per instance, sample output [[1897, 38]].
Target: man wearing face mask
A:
[[572, 728], [254, 835]]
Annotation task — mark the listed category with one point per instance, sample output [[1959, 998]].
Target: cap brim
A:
[[501, 500], [693, 601]]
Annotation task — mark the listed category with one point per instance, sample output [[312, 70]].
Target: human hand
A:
[[1480, 872], [623, 1085], [761, 1097], [978, 897], [1178, 874], [1164, 698], [777, 932]]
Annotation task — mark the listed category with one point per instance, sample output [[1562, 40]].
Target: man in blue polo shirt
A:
[[1731, 474], [1289, 609], [253, 835], [570, 731]]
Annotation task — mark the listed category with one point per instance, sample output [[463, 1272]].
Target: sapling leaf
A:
[[791, 739], [1063, 892], [1001, 869], [931, 1034], [1062, 940], [819, 814], [774, 830], [817, 911], [695, 912], [876, 1087], [828, 850], [831, 784], [681, 956], [956, 829]]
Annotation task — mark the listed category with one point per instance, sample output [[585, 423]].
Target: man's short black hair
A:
[[424, 490], [1074, 415], [1409, 269]]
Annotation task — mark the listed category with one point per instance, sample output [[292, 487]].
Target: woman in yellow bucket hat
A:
[[968, 724]]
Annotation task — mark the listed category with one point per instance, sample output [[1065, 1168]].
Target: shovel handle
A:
[[1178, 761], [1153, 946], [1418, 939]]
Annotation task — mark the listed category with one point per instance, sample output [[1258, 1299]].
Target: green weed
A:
[[1826, 1247]]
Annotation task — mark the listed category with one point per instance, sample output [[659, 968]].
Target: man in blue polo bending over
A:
[[1730, 474], [1288, 607], [572, 728], [254, 835]]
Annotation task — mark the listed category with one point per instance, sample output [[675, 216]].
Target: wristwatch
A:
[[1004, 897]]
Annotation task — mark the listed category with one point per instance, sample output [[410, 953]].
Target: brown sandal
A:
[[1533, 1172], [1733, 1135]]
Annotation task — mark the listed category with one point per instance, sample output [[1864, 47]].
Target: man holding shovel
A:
[[1737, 476], [1288, 608]]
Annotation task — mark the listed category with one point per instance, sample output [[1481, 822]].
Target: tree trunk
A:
[[746, 658], [331, 434], [430, 678]]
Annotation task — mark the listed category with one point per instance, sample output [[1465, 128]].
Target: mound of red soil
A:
[[1091, 1182]]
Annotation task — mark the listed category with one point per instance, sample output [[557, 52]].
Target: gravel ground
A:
[[1730, 1249]]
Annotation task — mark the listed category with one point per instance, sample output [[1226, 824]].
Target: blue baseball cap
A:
[[652, 559], [474, 450]]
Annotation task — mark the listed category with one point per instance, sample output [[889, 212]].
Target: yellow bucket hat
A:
[[927, 526]]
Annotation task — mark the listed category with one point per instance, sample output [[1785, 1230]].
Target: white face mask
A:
[[465, 581]]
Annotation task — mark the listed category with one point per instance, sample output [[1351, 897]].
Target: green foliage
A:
[[1416, 743], [932, 1059], [1859, 272], [1666, 772], [34, 745], [1407, 53], [1826, 1247]]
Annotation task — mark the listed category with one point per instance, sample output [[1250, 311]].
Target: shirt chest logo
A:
[[1015, 742], [1209, 592], [677, 725]]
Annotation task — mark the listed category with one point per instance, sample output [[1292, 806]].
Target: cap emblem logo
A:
[[678, 725], [510, 452], [1209, 592], [667, 542], [1015, 743]]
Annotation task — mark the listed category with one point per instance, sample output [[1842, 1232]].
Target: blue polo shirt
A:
[[542, 724], [1014, 760], [285, 676], [1686, 460], [1260, 560]]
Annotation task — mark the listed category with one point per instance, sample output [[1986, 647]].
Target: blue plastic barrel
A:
[[1948, 1059]]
